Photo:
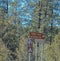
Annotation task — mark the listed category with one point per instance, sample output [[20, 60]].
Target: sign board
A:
[[36, 35]]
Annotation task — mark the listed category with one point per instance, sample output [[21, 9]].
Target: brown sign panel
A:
[[36, 35]]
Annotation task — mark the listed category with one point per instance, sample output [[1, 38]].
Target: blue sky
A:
[[26, 16]]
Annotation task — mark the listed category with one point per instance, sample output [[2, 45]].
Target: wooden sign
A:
[[36, 35]]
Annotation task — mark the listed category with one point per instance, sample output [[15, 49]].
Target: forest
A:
[[20, 17]]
